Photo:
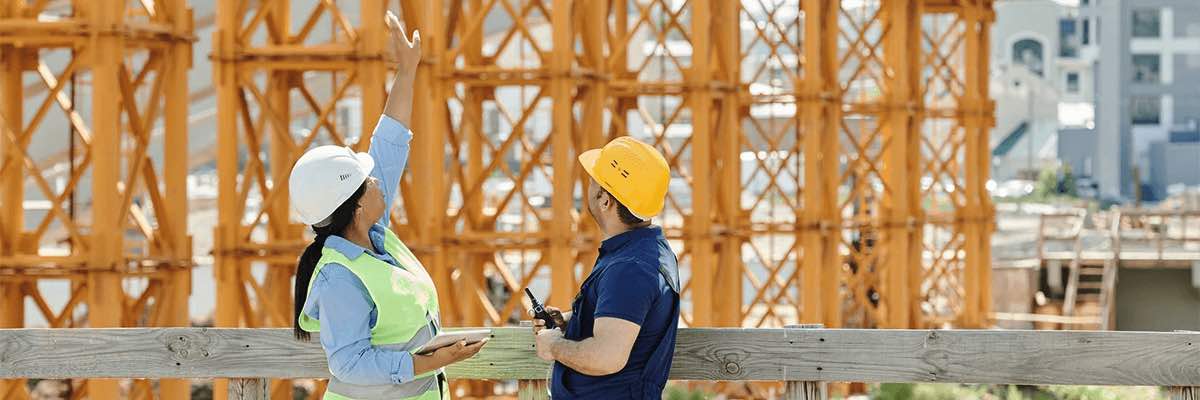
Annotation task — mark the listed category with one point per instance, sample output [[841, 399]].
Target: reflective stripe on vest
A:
[[407, 313]]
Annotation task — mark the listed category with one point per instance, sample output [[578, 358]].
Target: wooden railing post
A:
[[804, 390], [1185, 393], [248, 389], [532, 389]]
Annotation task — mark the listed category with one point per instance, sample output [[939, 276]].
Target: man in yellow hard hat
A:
[[618, 340]]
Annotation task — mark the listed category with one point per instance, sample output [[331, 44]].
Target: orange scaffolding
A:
[[828, 157], [115, 226]]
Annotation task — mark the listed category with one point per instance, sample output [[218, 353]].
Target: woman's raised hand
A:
[[407, 52]]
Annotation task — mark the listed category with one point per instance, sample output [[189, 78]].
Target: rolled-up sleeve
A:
[[390, 148], [346, 314]]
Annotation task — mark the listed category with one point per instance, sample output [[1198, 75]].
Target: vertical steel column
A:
[[898, 133], [226, 73], [372, 67], [13, 179], [914, 221], [178, 286], [427, 164], [972, 213], [562, 264], [976, 120], [594, 33], [12, 189], [983, 163], [472, 131], [105, 297], [727, 32], [698, 227], [820, 113]]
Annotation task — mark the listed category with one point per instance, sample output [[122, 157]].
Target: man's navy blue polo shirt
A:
[[635, 279]]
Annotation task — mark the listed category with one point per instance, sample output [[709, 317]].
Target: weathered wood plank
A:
[[533, 390], [801, 390], [964, 356], [1185, 393], [248, 389], [159, 353]]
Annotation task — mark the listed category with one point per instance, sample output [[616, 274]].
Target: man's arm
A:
[[605, 353]]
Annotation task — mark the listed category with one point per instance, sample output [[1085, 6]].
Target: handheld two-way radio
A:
[[539, 311]]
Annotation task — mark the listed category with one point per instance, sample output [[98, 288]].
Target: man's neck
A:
[[622, 228]]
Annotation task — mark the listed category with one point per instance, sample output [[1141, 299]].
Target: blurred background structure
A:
[[832, 160]]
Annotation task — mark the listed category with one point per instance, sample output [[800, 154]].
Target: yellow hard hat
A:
[[633, 172]]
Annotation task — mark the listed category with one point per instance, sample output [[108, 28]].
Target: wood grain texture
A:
[[1185, 393], [952, 356], [803, 390], [248, 389], [533, 390], [159, 353]]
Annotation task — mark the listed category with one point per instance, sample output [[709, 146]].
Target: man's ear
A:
[[606, 201]]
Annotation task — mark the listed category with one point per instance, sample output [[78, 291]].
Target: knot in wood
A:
[[732, 368], [186, 346]]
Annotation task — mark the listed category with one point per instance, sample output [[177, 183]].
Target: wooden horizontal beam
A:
[[949, 356], [1053, 319], [37, 33], [1130, 258]]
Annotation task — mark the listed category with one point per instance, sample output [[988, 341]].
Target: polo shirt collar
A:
[[351, 250], [616, 242]]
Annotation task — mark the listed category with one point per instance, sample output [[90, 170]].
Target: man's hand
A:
[[560, 320], [546, 339], [407, 52]]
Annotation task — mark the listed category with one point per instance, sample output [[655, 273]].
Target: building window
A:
[[1085, 32], [1145, 68], [1146, 23], [1028, 52], [1145, 110], [1068, 38], [1073, 82]]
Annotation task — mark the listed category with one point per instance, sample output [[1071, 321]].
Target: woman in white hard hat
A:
[[357, 283]]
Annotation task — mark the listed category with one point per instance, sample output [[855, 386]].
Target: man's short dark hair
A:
[[623, 212]]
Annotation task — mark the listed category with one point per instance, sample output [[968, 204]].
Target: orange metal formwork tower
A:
[[829, 157], [839, 178], [112, 231], [286, 73]]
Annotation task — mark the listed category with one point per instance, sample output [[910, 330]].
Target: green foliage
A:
[[1104, 392], [906, 391], [925, 391], [676, 392], [1055, 182]]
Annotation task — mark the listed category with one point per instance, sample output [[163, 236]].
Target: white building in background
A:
[[1146, 63], [1041, 80]]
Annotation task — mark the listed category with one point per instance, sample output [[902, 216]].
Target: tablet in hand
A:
[[448, 338]]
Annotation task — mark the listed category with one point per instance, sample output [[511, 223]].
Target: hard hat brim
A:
[[366, 162], [588, 161]]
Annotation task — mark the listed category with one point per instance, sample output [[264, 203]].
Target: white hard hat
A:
[[323, 179]]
